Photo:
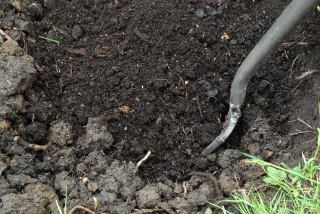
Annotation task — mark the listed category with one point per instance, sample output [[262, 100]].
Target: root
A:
[[81, 208], [142, 160]]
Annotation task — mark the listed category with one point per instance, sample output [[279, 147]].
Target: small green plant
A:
[[49, 39], [63, 210], [318, 8], [293, 190], [285, 54]]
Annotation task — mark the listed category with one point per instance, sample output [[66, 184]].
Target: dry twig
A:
[[30, 145]]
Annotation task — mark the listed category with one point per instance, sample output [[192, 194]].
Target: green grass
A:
[[285, 54], [49, 39], [290, 190], [63, 210]]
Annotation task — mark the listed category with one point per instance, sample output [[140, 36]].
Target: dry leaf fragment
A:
[[122, 52], [5, 124], [17, 5], [225, 36], [245, 17], [80, 51], [125, 109]]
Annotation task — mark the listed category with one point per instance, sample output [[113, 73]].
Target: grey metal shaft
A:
[[289, 18]]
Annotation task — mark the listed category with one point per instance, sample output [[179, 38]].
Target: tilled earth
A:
[[91, 86]]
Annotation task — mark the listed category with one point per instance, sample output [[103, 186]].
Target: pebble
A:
[[212, 93], [200, 13]]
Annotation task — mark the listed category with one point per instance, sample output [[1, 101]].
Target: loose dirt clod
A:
[[36, 199], [61, 133], [227, 182], [97, 134], [148, 197], [228, 157], [16, 74]]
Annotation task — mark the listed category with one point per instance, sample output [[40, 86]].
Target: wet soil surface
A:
[[111, 80]]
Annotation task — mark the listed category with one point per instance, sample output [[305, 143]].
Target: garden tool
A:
[[289, 18]]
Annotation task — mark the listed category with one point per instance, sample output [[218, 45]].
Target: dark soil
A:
[[168, 64], [159, 59]]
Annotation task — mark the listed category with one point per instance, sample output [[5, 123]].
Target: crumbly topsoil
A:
[[109, 81]]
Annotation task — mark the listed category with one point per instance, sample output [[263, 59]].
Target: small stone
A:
[[212, 93], [76, 32], [85, 180], [200, 13]]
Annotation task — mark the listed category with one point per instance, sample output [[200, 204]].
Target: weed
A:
[[293, 190], [65, 208], [49, 39], [285, 54]]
